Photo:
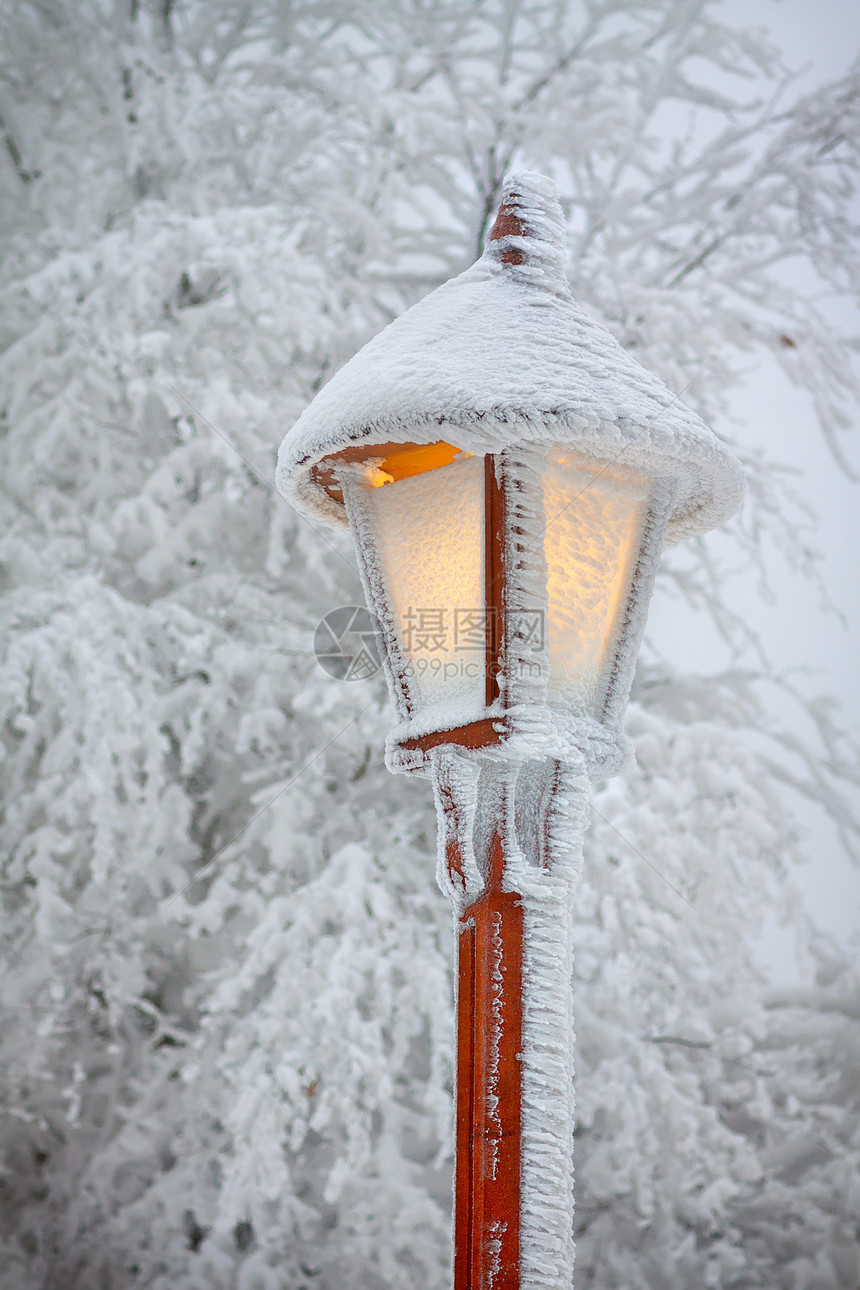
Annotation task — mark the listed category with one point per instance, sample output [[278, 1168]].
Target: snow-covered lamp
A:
[[509, 474]]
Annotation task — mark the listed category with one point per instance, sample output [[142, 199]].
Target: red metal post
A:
[[489, 1089]]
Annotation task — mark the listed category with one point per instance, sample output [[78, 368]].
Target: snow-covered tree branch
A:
[[227, 1038]]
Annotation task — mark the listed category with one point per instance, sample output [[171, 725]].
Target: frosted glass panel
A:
[[594, 522], [430, 531]]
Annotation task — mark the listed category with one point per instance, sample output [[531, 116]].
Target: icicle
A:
[[455, 790]]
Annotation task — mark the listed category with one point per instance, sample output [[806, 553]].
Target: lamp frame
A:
[[597, 734]]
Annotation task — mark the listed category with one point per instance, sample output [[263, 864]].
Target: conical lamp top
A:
[[503, 354]]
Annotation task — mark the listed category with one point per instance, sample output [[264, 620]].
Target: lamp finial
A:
[[529, 230]]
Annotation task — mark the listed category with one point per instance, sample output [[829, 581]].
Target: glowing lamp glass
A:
[[596, 520], [417, 515], [430, 548]]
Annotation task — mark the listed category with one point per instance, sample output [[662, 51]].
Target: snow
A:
[[504, 354]]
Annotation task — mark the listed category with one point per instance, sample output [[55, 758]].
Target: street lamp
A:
[[509, 474]]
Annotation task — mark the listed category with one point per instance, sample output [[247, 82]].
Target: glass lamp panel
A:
[[429, 531], [595, 519]]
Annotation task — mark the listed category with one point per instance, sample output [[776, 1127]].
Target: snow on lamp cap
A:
[[503, 355]]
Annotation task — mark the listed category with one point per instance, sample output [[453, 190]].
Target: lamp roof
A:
[[503, 354]]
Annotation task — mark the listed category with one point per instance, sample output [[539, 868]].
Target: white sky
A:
[[825, 38]]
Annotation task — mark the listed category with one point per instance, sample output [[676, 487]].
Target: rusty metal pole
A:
[[489, 1088]]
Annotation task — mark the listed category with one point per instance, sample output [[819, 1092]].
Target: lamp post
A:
[[509, 474]]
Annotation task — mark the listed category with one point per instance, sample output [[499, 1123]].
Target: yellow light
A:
[[429, 528], [424, 507], [396, 460]]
